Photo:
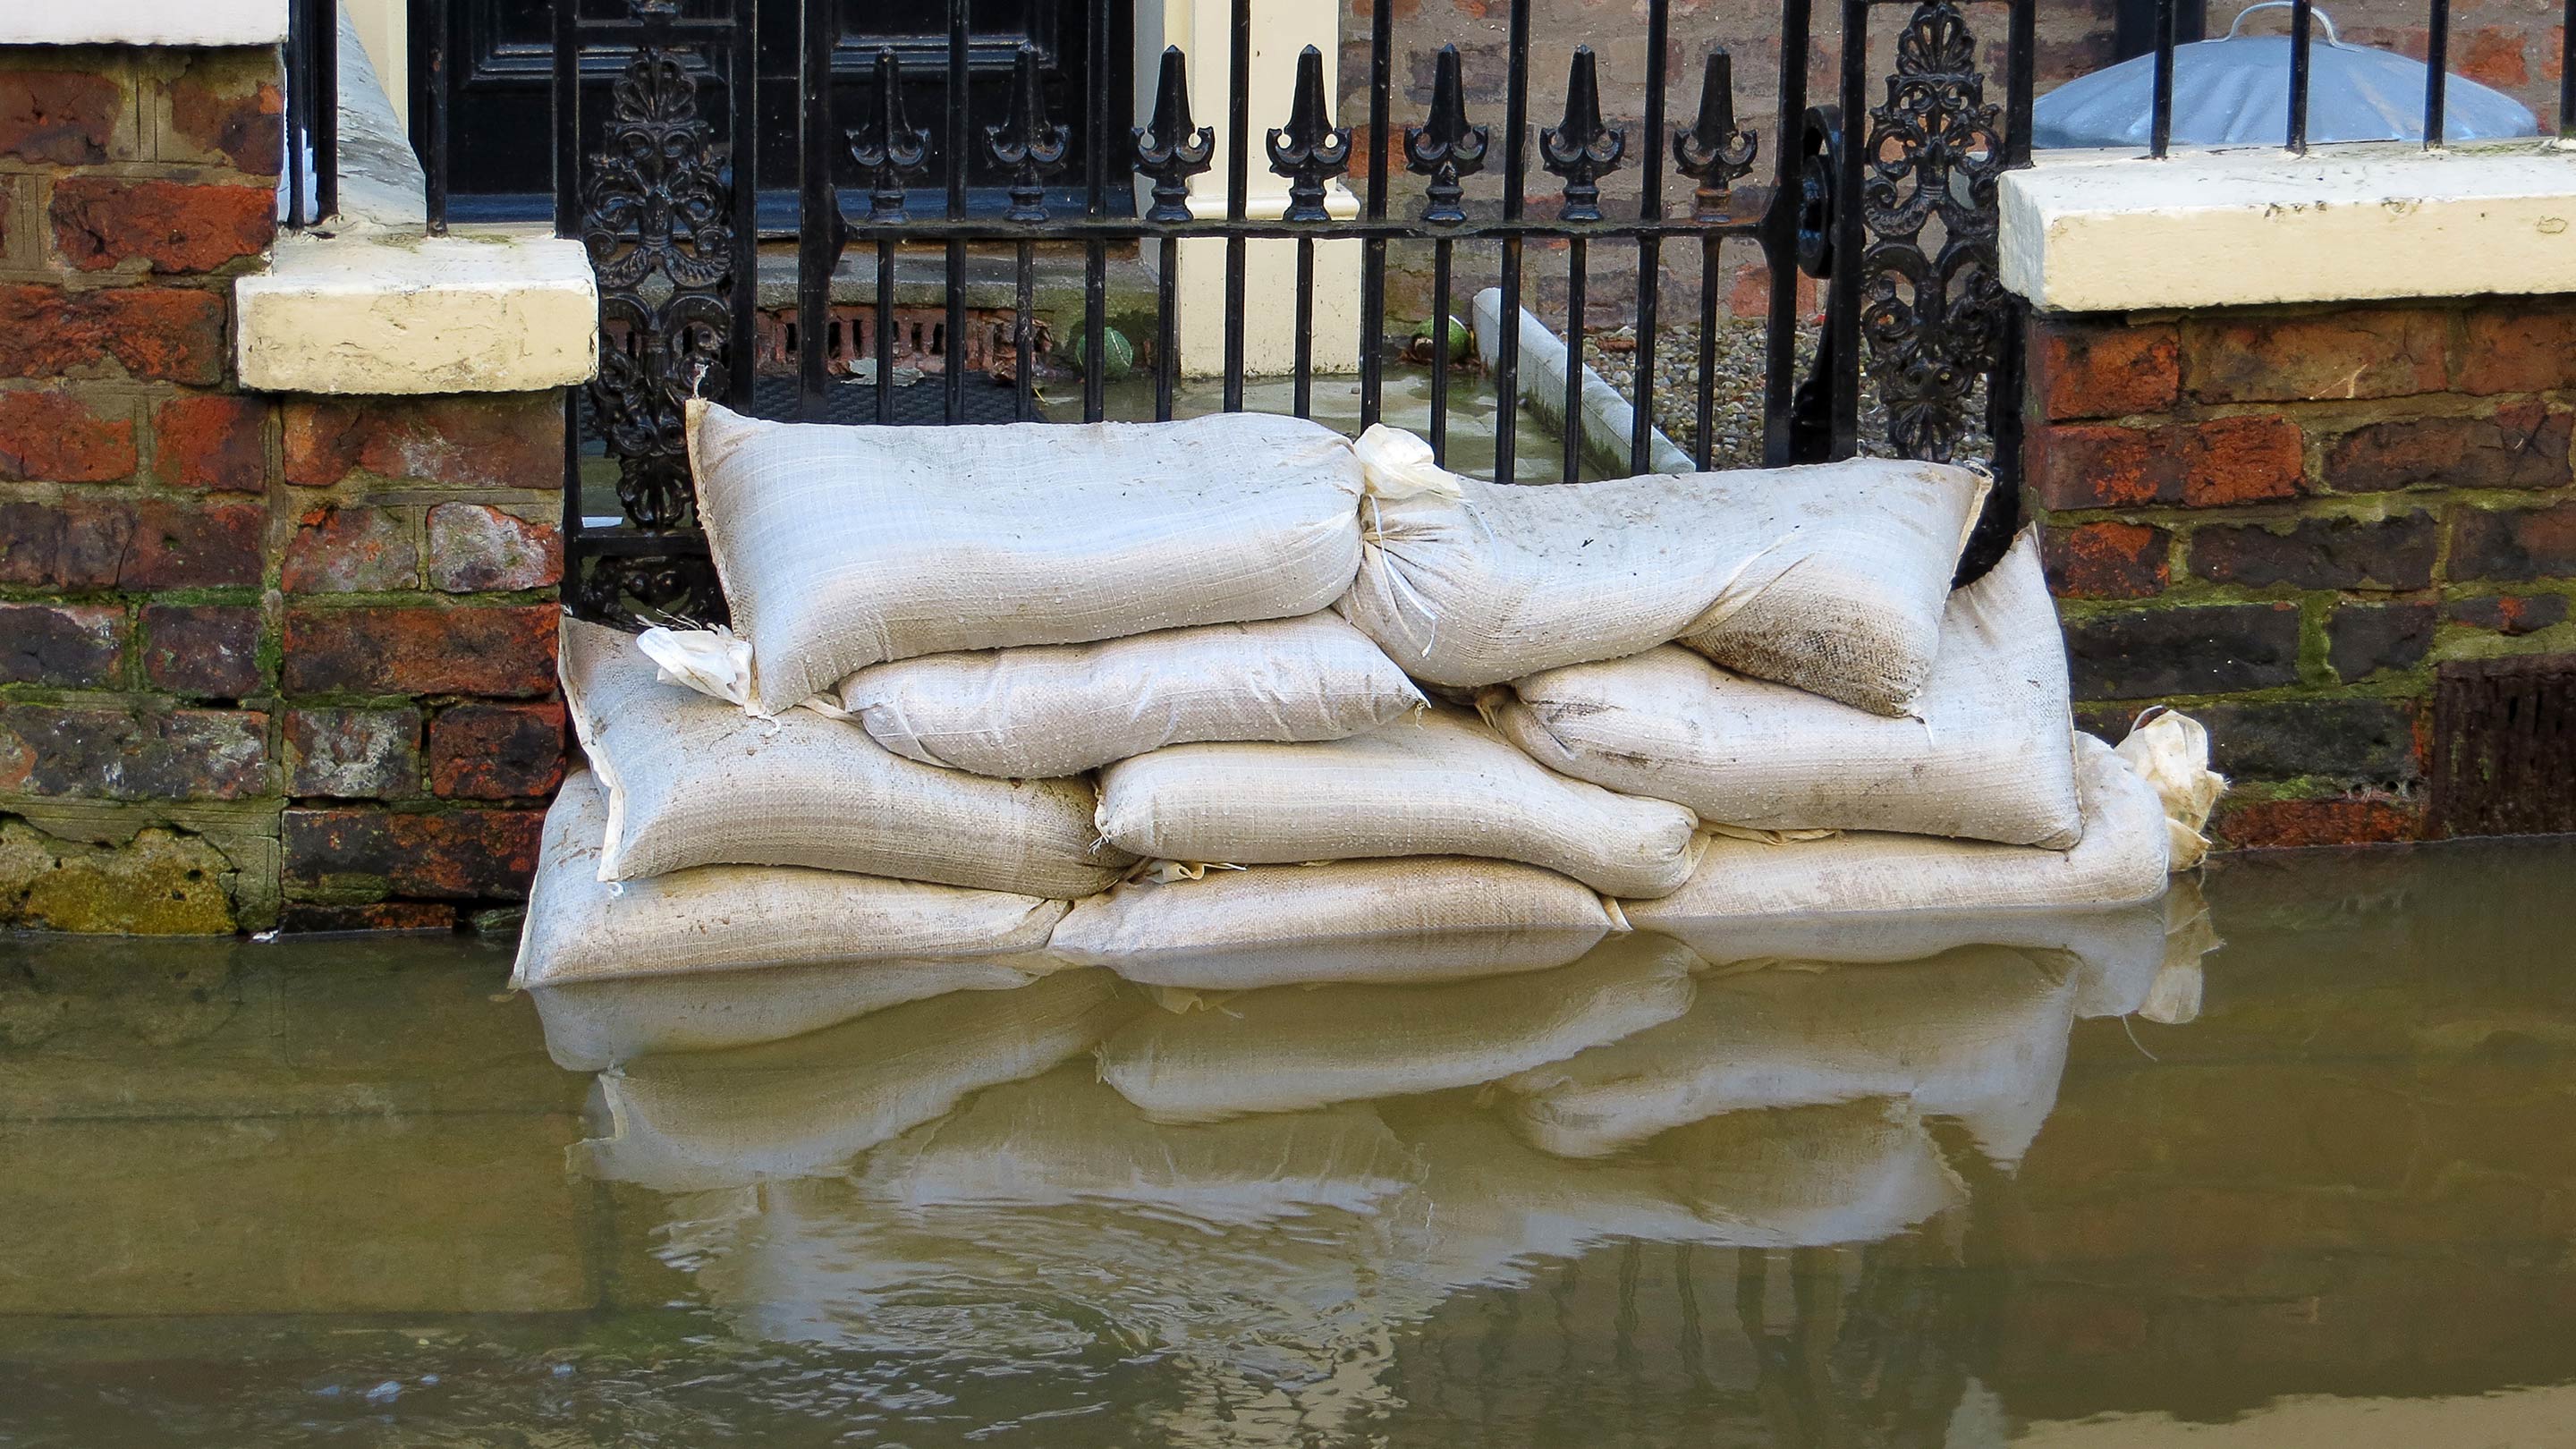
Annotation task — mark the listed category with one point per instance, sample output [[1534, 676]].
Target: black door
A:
[[502, 68]]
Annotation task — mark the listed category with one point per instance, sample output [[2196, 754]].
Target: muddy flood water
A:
[[2097, 1189]]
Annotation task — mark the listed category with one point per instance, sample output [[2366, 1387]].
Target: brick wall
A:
[[2289, 521], [262, 661]]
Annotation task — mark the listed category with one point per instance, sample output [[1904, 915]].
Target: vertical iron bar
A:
[[1842, 315], [885, 332], [2160, 112], [2303, 16], [1373, 251], [1779, 254], [1778, 357], [1571, 434], [325, 56], [816, 224], [1440, 258], [299, 111], [1238, 182], [1024, 335], [1304, 385], [1650, 262], [2021, 51], [1167, 359], [742, 90], [434, 166], [567, 118], [2437, 71], [953, 368], [1095, 157], [1507, 345]]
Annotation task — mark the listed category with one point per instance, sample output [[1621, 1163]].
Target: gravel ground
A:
[[1737, 410]]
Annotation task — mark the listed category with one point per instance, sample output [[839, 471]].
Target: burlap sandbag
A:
[[811, 1104], [918, 940], [1441, 783], [694, 781], [1066, 708], [1830, 578], [1988, 755], [1421, 918], [1978, 1033], [2120, 861], [842, 547], [1289, 1048]]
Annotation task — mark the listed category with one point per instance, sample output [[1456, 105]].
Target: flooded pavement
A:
[[2067, 1185]]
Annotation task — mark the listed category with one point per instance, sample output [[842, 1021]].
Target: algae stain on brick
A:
[[160, 883]]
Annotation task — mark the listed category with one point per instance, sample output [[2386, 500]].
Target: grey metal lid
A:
[[2236, 91]]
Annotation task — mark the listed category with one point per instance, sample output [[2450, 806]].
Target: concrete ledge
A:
[[2117, 233], [143, 22], [396, 314]]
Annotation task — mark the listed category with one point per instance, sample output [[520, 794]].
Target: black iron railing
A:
[[2170, 17], [312, 111]]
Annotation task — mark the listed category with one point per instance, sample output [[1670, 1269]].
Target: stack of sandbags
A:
[[977, 618]]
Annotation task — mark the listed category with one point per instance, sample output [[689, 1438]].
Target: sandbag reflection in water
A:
[[951, 1180]]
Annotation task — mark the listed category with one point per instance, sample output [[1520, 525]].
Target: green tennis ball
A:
[[1118, 355], [1462, 342]]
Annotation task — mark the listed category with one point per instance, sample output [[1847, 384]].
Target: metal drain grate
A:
[[2504, 747], [920, 339]]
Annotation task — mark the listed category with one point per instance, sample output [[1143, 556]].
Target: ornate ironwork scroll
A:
[[1310, 150], [1713, 151], [1173, 148], [1579, 148], [887, 144], [1447, 146], [1932, 321]]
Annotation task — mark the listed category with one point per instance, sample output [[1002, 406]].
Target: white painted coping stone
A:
[[404, 313], [1607, 416], [143, 22], [2116, 232]]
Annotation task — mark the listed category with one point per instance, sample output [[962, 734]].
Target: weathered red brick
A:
[[2513, 543], [173, 334], [2107, 560], [2362, 639], [353, 753], [186, 545], [512, 440], [59, 118], [176, 226], [481, 751], [2160, 652], [475, 548], [2493, 55], [2365, 352], [2106, 370], [500, 652], [68, 646], [2523, 445], [2095, 466], [2524, 346], [2240, 460], [225, 108], [68, 546], [312, 918], [202, 649], [351, 550], [117, 754], [212, 440], [460, 854], [2289, 824], [2512, 615], [54, 436], [2321, 553]]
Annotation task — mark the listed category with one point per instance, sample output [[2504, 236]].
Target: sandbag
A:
[[694, 781], [808, 1105], [2120, 861], [1442, 783], [1830, 578], [1978, 1034], [908, 939], [1987, 756], [842, 547], [2171, 753], [1290, 1048], [1063, 709], [1421, 918]]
